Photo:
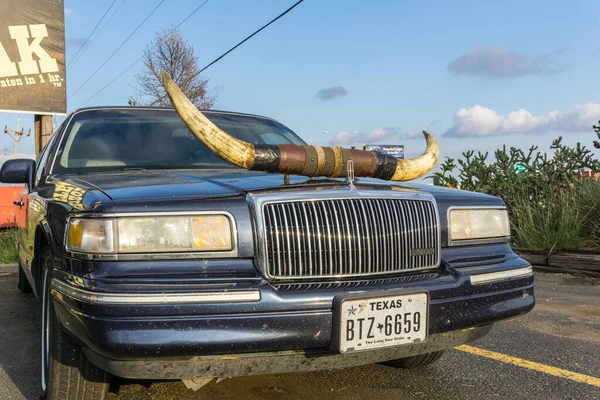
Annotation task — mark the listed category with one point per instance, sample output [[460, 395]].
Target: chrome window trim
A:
[[60, 140], [91, 297], [490, 277], [39, 172], [471, 242], [258, 201], [233, 253]]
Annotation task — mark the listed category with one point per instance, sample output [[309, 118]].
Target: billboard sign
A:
[[32, 56], [389, 149]]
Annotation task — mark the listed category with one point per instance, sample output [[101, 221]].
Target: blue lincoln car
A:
[[155, 255]]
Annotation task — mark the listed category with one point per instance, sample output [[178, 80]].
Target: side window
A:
[[271, 138], [40, 163]]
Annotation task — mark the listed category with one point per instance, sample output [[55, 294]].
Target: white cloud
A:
[[380, 134], [410, 135], [376, 136], [432, 124], [68, 11], [344, 138], [497, 63], [391, 135], [482, 121]]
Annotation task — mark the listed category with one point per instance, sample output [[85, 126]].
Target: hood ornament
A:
[[350, 179]]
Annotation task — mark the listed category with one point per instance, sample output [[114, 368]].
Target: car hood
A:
[[151, 185], [180, 184]]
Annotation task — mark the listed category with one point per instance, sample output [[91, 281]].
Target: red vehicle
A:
[[11, 215]]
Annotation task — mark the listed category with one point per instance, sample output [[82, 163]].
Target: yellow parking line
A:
[[562, 373]]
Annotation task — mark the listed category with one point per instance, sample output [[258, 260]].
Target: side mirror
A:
[[20, 170]]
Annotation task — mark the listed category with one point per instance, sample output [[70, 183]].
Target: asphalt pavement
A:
[[551, 353]]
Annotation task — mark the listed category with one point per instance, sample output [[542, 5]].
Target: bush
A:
[[8, 248], [570, 221], [589, 209], [551, 206]]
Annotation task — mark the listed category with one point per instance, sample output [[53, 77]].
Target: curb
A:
[[9, 268], [582, 263]]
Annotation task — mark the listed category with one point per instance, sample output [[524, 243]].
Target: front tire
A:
[[419, 361], [66, 372]]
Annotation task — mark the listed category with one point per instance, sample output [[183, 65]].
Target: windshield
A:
[[119, 139]]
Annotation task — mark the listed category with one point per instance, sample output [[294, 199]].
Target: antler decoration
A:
[[295, 159]]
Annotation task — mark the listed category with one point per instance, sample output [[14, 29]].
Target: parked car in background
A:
[[156, 259], [11, 211]]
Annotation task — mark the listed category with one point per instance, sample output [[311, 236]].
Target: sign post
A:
[[43, 131], [32, 62]]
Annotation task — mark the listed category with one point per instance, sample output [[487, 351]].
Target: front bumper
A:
[[127, 334], [274, 362]]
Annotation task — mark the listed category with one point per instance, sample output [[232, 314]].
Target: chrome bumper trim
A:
[[87, 296], [480, 279]]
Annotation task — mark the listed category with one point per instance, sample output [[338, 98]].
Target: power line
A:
[[101, 29], [140, 59], [109, 19], [243, 41], [111, 82], [190, 14], [91, 33], [223, 55], [118, 48]]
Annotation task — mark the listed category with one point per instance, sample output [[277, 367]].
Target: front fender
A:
[[43, 237]]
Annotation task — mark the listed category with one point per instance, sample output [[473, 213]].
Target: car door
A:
[[32, 206]]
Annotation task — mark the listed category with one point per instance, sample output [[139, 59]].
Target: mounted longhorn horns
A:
[[294, 159]]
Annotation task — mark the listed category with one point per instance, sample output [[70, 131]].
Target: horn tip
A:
[[165, 75], [429, 137]]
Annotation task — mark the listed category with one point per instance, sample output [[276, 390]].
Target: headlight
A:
[[478, 223], [152, 234], [91, 235]]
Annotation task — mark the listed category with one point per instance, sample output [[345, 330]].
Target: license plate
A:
[[383, 321]]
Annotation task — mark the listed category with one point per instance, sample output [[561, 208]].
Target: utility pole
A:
[[16, 135]]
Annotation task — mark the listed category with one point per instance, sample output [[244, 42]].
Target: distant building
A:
[[590, 175]]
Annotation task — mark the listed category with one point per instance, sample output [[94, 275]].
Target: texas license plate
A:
[[383, 321]]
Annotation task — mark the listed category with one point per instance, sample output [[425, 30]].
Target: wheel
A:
[[419, 361], [66, 373], [22, 282]]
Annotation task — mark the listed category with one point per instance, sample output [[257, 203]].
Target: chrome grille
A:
[[349, 237]]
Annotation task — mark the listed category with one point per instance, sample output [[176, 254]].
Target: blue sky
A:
[[476, 74]]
